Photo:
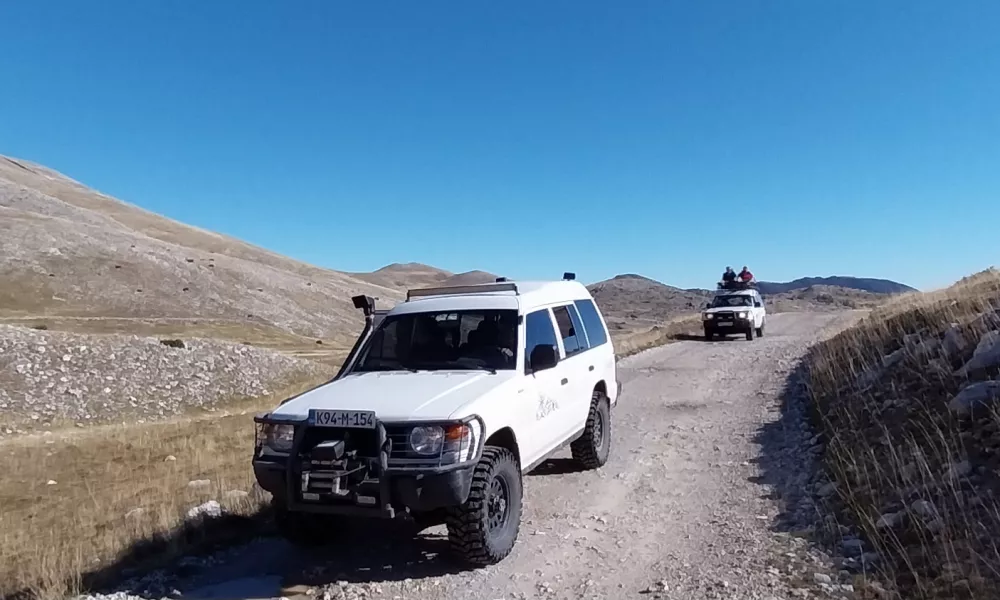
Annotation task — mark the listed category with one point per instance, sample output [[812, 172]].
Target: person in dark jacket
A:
[[729, 276]]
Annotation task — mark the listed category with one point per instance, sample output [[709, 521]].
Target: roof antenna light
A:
[[501, 279], [569, 276]]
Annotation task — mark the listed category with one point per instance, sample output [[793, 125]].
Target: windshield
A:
[[448, 340], [733, 300]]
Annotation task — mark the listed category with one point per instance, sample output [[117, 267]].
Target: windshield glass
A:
[[733, 300], [448, 340]]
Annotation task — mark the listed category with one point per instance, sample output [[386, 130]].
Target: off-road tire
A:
[[760, 330], [470, 534], [306, 530], [708, 336], [750, 334], [591, 450]]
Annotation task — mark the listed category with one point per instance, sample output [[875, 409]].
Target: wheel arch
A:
[[505, 438]]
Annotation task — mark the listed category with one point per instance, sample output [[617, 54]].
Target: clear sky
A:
[[665, 138]]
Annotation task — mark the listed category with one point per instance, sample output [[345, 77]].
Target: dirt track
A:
[[683, 509]]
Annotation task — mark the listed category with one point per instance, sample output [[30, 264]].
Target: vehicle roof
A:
[[529, 295], [746, 292]]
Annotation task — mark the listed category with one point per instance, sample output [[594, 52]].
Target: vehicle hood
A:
[[727, 309], [398, 395]]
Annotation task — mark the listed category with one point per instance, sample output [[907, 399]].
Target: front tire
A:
[[760, 330], [750, 333], [708, 335], [482, 531], [592, 449]]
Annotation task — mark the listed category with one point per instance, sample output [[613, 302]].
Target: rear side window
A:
[[569, 331], [538, 331], [592, 322]]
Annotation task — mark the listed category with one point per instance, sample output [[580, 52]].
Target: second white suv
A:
[[441, 408], [735, 311]]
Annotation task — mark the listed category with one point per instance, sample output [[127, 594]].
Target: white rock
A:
[[210, 509], [960, 469], [891, 360], [50, 482], [822, 578], [954, 342], [888, 520], [827, 489], [979, 393], [170, 458], [199, 483], [924, 508], [987, 354]]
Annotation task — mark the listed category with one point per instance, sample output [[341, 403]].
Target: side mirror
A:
[[757, 304], [543, 356], [708, 305]]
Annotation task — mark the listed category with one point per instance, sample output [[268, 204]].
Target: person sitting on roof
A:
[[745, 275]]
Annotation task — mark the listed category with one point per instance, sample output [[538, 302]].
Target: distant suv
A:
[[735, 311], [440, 409]]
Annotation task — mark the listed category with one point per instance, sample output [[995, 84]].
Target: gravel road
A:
[[690, 505]]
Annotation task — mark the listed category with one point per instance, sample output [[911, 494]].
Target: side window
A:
[[569, 334], [596, 334], [537, 331]]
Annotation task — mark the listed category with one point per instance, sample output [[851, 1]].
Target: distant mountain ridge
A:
[[864, 284]]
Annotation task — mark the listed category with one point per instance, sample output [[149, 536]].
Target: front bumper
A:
[[416, 490], [736, 324], [372, 479]]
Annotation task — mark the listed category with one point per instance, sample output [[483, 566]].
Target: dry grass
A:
[[79, 532], [633, 342], [895, 448]]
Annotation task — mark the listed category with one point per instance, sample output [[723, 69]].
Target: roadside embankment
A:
[[908, 401]]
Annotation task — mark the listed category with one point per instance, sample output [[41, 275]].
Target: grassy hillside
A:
[[908, 403], [69, 252]]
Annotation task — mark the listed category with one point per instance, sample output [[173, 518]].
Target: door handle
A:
[[590, 368], [564, 381]]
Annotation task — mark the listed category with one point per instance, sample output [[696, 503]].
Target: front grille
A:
[[725, 316]]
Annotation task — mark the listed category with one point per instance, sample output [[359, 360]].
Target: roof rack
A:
[[505, 286]]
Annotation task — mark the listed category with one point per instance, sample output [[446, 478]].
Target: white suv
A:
[[739, 311], [440, 409]]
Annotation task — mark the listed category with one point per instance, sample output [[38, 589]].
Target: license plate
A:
[[723, 324], [353, 419]]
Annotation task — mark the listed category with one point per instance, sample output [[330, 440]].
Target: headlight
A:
[[278, 437], [707, 316], [453, 443], [427, 440], [743, 315]]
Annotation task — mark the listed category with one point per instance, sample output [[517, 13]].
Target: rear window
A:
[[596, 334]]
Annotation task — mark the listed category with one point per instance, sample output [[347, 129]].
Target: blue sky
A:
[[529, 138]]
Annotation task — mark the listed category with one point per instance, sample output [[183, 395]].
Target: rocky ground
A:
[[711, 492], [51, 379]]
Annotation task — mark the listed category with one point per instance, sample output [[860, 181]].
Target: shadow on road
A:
[[557, 466], [785, 461], [691, 337], [378, 552]]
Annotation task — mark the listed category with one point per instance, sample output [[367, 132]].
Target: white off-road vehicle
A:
[[735, 311], [440, 409]]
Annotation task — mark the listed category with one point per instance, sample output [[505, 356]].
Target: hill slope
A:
[[69, 251], [635, 302], [875, 286]]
